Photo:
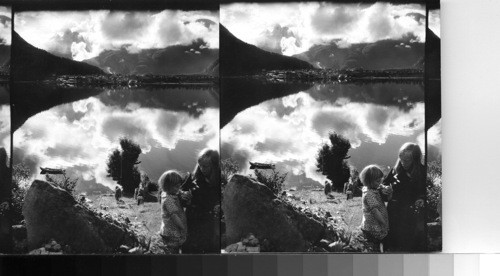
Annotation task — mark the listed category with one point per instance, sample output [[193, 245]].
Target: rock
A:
[[336, 246], [434, 236], [136, 250], [312, 201], [328, 214], [51, 212], [19, 232], [251, 207], [293, 189], [319, 249], [324, 243], [124, 249]]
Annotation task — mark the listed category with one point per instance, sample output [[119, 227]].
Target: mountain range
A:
[[172, 60], [383, 54], [31, 63], [239, 58]]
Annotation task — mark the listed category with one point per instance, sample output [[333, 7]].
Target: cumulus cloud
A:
[[5, 25], [5, 127], [302, 25], [435, 22], [85, 34], [291, 139], [43, 140]]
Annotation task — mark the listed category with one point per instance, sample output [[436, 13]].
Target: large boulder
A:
[[52, 213], [251, 207]]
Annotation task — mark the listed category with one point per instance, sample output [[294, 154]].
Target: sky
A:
[[435, 22], [85, 34], [289, 131], [169, 139], [292, 28], [5, 25]]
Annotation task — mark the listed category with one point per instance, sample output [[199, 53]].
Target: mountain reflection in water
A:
[[289, 130], [77, 129]]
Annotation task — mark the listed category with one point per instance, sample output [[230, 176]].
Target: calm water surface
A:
[[170, 125], [288, 131]]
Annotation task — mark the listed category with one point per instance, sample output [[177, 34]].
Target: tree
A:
[[122, 165], [273, 180], [331, 161], [229, 167]]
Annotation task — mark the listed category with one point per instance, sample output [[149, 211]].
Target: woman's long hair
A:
[[213, 157], [417, 166]]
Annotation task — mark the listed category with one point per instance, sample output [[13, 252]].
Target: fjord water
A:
[[77, 128], [290, 122]]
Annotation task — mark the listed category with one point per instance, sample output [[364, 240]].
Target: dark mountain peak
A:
[[383, 54], [178, 59], [240, 58], [31, 63]]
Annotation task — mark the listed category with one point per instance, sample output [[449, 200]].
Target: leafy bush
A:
[[21, 175], [273, 180], [229, 167], [434, 189], [63, 181]]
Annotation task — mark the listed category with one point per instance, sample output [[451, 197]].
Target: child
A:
[[375, 223], [174, 224]]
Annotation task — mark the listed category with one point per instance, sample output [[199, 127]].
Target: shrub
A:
[[21, 175], [434, 189], [229, 167], [273, 180], [63, 181]]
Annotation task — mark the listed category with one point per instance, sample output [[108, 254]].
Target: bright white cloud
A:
[[61, 142], [264, 134], [5, 25], [83, 35], [295, 27], [435, 22], [5, 127]]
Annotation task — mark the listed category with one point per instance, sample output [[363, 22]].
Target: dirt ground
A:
[[144, 219], [344, 211]]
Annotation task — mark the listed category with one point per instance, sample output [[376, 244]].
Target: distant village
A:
[[131, 81], [345, 75]]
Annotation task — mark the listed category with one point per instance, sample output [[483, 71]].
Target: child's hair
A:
[[369, 175], [416, 154], [169, 179]]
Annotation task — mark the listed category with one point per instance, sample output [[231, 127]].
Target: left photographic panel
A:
[[5, 137], [115, 122]]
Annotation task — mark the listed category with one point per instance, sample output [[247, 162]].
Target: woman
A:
[[203, 214], [407, 206]]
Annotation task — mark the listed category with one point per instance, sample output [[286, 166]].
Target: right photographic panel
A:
[[324, 128]]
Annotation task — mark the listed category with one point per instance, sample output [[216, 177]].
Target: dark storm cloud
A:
[[330, 21], [420, 18], [119, 25], [206, 22], [5, 20]]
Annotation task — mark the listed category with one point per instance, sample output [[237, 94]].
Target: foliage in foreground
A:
[[273, 179]]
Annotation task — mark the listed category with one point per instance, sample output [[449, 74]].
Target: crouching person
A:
[[174, 223]]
